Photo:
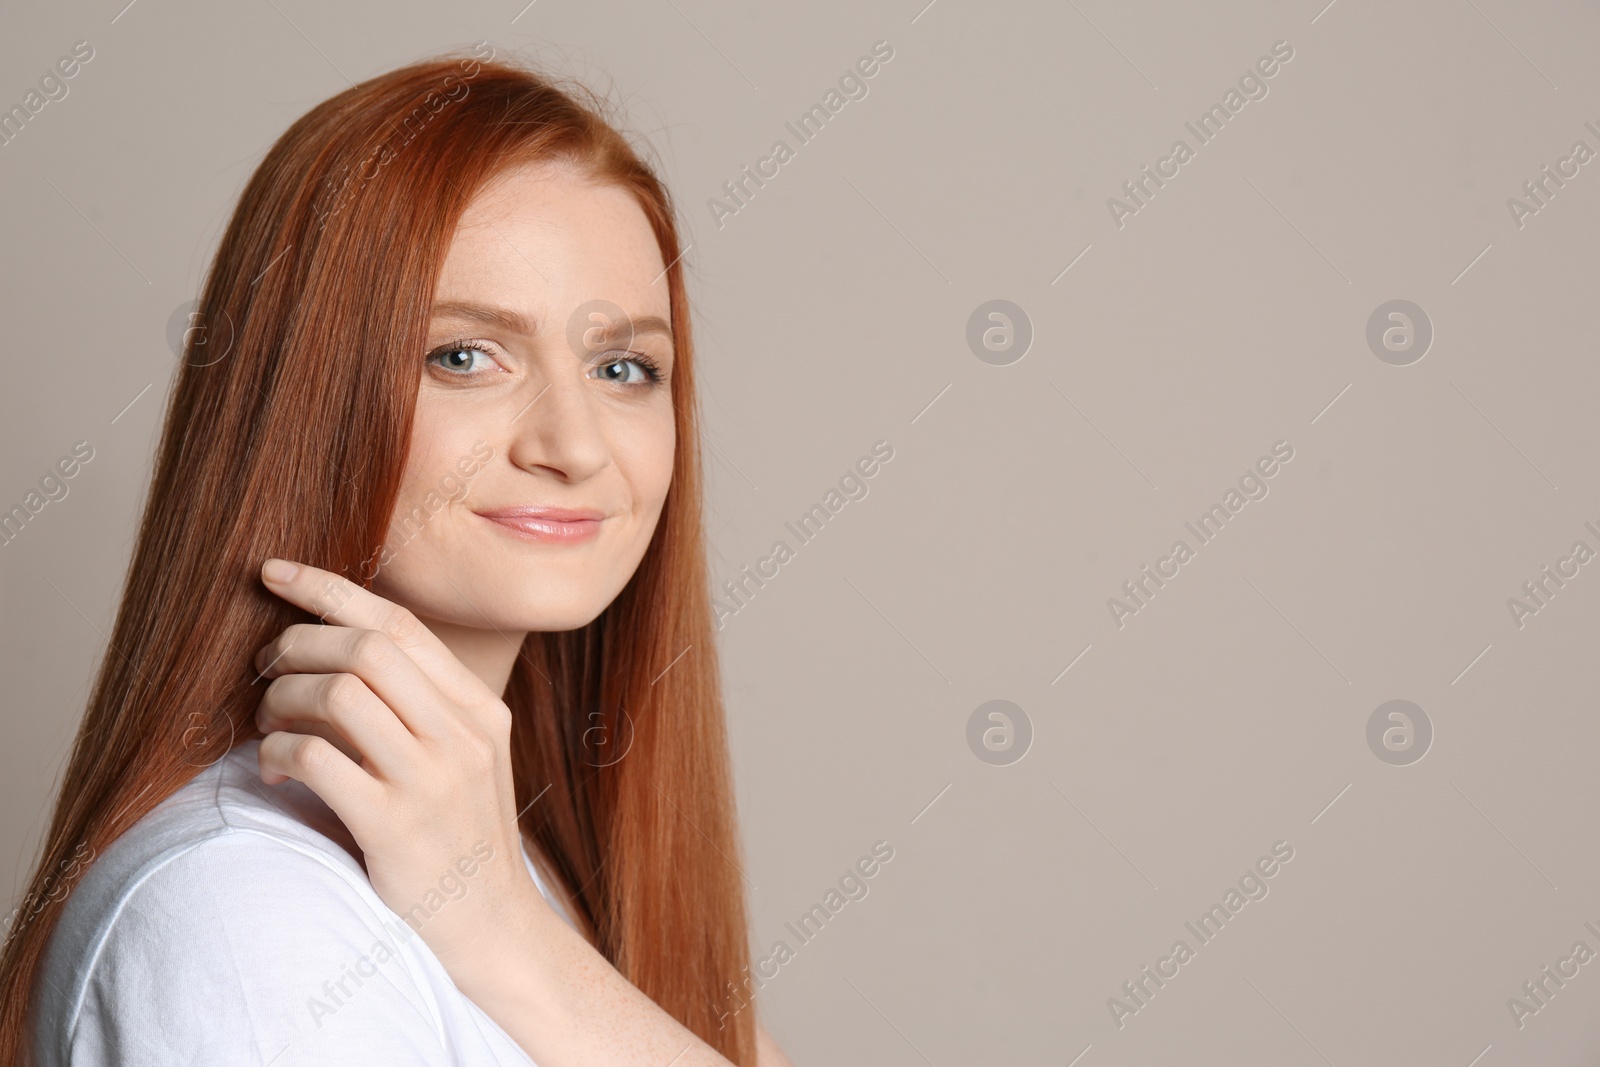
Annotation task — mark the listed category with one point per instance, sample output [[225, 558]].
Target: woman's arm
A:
[[564, 1003], [412, 751]]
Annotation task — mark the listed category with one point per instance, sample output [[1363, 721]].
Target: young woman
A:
[[408, 747]]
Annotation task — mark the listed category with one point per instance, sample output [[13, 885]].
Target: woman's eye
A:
[[461, 358], [644, 371]]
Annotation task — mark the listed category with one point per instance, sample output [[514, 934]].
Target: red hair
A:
[[272, 448]]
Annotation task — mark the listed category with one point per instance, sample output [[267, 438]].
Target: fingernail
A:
[[279, 570]]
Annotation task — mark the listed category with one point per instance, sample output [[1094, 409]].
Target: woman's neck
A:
[[488, 653]]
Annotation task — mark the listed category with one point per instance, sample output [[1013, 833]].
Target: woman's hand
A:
[[411, 750]]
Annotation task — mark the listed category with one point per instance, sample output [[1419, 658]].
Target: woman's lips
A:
[[548, 525]]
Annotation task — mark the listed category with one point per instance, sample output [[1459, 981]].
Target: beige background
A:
[[1228, 314]]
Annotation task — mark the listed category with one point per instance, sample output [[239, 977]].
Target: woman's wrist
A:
[[513, 955]]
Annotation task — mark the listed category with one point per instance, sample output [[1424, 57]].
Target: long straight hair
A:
[[286, 435]]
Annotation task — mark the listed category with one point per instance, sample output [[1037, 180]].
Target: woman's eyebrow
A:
[[487, 314], [507, 319], [642, 324]]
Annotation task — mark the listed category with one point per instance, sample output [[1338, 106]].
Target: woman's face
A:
[[525, 402]]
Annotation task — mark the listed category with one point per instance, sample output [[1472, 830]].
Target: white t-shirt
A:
[[229, 926]]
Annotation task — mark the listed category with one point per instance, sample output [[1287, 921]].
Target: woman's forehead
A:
[[545, 242]]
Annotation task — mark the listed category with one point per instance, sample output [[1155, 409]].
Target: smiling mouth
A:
[[547, 525]]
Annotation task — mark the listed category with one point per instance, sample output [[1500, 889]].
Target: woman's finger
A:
[[370, 655], [353, 794], [324, 731], [344, 603], [346, 709]]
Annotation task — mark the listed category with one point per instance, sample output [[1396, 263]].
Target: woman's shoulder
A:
[[231, 917], [223, 838]]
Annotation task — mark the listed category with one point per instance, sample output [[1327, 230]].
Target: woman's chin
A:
[[519, 619], [554, 622]]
